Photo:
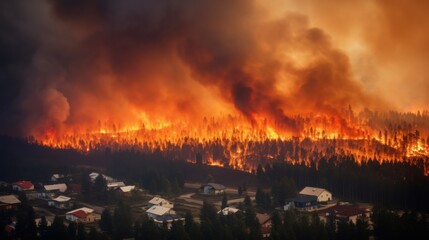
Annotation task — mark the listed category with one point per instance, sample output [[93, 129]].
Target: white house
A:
[[157, 201], [84, 215], [212, 189], [60, 187], [94, 175], [228, 210], [115, 185], [322, 194], [127, 189], [49, 191], [56, 177], [167, 219], [60, 202], [158, 211]]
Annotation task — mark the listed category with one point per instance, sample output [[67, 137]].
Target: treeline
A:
[[151, 171], [23, 160], [157, 172], [390, 184]]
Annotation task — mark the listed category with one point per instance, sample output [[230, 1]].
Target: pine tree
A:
[[224, 201], [122, 221], [240, 190], [100, 189], [260, 197], [43, 227], [57, 230], [105, 223], [72, 230], [81, 233]]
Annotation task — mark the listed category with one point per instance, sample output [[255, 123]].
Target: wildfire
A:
[[236, 143], [418, 150]]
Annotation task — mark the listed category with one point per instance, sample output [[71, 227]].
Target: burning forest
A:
[[237, 83], [236, 143]]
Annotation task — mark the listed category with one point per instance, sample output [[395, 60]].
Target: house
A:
[[212, 189], [51, 190], [60, 202], [83, 215], [303, 202], [346, 212], [158, 211], [126, 190], [57, 177], [161, 215], [115, 185], [157, 201], [167, 219], [61, 187], [23, 186], [228, 211], [94, 176], [322, 194], [39, 220], [9, 202], [61, 177], [265, 222]]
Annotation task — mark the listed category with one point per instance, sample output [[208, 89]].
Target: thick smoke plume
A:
[[70, 64]]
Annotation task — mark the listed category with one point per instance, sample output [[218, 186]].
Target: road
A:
[[188, 198]]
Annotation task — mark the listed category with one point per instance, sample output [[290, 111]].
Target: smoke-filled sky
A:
[[67, 63]]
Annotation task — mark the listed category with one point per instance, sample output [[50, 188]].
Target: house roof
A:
[[158, 210], [62, 187], [80, 214], [313, 191], [168, 218], [9, 199], [85, 209], [126, 189], [61, 199], [304, 198], [115, 184], [346, 210], [156, 200], [56, 175], [215, 186], [228, 210], [94, 175], [24, 184]]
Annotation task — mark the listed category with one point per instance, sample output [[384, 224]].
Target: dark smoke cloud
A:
[[72, 63]]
